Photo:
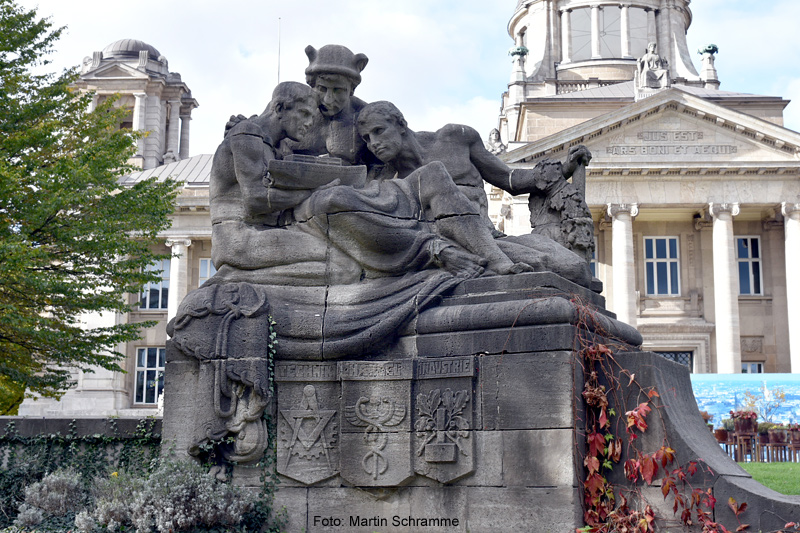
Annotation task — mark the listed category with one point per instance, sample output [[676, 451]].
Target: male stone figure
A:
[[652, 69], [234, 375], [467, 163], [243, 207], [334, 72]]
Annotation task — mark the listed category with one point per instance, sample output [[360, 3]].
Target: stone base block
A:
[[430, 509]]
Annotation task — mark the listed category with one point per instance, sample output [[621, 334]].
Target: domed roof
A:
[[128, 48]]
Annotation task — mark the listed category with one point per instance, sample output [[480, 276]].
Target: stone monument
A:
[[424, 372], [652, 69]]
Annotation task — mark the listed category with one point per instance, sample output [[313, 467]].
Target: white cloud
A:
[[439, 61]]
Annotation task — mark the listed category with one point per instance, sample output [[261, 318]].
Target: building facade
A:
[[137, 75], [695, 192]]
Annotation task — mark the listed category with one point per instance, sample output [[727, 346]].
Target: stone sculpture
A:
[[342, 251], [334, 72], [495, 145], [652, 69], [425, 369]]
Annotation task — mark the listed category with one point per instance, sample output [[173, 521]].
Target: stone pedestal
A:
[[459, 426], [472, 421]]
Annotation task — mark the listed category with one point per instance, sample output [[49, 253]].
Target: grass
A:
[[780, 477]]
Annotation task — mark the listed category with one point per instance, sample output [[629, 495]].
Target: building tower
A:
[[694, 191], [563, 46], [159, 102]]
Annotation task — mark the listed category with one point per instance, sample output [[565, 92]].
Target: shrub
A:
[[177, 496], [51, 504]]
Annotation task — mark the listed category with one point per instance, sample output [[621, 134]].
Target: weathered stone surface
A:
[[536, 458], [444, 443], [543, 510], [294, 501], [180, 403], [309, 418], [527, 391], [340, 506], [376, 428], [493, 341]]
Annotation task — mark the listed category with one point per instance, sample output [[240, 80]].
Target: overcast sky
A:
[[439, 61]]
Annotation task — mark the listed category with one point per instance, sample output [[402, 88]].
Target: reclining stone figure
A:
[[338, 262]]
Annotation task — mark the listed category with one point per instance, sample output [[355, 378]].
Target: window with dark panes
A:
[[748, 257], [662, 266], [156, 293], [149, 374]]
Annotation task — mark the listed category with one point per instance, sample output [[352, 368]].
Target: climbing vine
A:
[[27, 459], [618, 475]]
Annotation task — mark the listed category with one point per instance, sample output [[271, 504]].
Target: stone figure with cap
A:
[[334, 72]]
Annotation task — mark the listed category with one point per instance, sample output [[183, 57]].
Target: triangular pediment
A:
[[671, 129], [115, 70]]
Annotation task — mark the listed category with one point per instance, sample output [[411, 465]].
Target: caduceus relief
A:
[[376, 415]]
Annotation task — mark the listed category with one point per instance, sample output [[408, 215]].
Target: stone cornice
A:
[[758, 130]]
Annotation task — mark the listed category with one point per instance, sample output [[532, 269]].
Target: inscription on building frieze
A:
[[668, 143], [370, 370], [669, 136], [305, 371], [452, 367]]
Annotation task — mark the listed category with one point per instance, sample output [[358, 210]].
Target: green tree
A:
[[72, 241]]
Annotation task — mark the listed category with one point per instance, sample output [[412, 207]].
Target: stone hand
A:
[[578, 155], [234, 120]]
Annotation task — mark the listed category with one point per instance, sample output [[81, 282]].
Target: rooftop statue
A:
[[652, 69], [495, 145]]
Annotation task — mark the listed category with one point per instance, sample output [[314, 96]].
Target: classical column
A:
[[139, 120], [791, 225], [174, 128], [185, 123], [94, 103], [596, 32], [178, 274], [625, 30], [651, 29], [726, 289], [623, 272], [566, 36]]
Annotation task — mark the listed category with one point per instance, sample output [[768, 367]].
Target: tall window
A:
[[662, 266], [638, 31], [748, 256], [206, 271], [149, 374], [610, 38], [155, 294], [581, 21]]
